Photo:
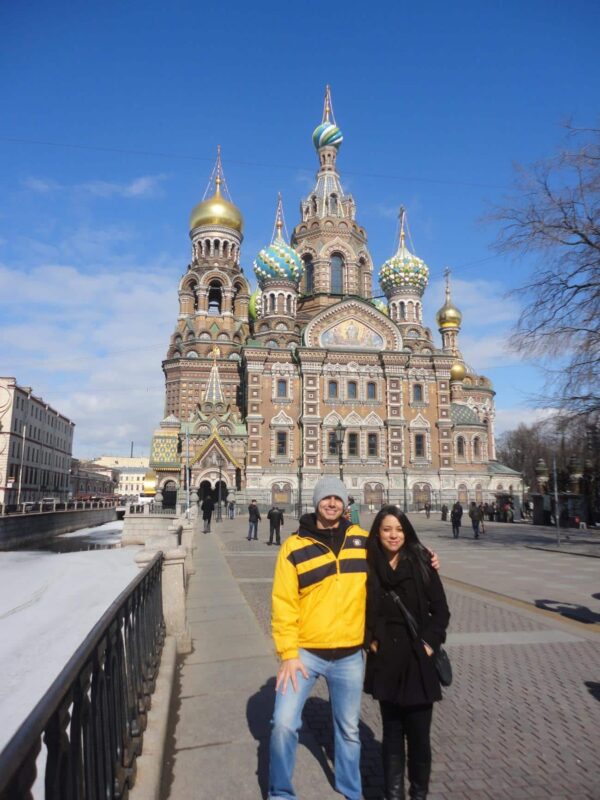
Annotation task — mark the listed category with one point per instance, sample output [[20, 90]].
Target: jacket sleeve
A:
[[285, 607], [282, 519], [434, 632]]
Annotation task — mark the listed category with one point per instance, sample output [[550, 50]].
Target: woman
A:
[[400, 670]]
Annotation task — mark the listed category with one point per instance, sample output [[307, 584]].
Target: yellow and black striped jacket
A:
[[319, 599]]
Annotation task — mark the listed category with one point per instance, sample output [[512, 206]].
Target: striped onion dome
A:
[[254, 305], [278, 261], [381, 306], [327, 135]]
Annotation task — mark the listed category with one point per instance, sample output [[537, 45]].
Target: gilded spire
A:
[[402, 218], [214, 391], [327, 107], [279, 221], [218, 209], [448, 316]]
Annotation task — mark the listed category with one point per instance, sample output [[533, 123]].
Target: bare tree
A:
[[556, 215]]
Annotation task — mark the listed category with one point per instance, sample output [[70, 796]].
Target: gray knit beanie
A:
[[327, 487]]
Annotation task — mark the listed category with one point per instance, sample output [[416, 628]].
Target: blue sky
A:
[[111, 117]]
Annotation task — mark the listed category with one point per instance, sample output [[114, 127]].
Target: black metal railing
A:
[[92, 719]]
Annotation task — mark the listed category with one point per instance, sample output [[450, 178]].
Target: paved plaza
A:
[[521, 719]]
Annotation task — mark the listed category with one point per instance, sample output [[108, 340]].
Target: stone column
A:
[[173, 595]]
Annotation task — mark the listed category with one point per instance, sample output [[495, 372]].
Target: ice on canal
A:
[[49, 602]]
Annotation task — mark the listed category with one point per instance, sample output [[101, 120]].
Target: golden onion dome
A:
[[457, 371], [448, 316], [216, 210], [149, 483]]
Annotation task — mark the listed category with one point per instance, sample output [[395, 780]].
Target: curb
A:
[[149, 764]]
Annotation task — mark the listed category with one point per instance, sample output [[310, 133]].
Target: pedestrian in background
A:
[[353, 515], [275, 517], [207, 507], [231, 509], [400, 672], [253, 519], [444, 512], [427, 510], [456, 518], [476, 514]]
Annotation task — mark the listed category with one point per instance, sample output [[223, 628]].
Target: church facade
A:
[[267, 390]]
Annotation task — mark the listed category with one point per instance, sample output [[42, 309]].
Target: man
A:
[[253, 520], [319, 598], [427, 510], [476, 514], [275, 517], [455, 518], [207, 507], [353, 509]]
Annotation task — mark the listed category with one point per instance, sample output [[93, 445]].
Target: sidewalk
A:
[[520, 721]]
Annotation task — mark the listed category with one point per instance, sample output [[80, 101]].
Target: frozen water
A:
[[49, 602]]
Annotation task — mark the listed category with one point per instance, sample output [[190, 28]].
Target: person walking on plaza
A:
[[401, 673], [253, 519], [427, 510], [455, 518], [476, 515], [231, 509], [353, 515], [207, 507], [444, 512], [275, 517]]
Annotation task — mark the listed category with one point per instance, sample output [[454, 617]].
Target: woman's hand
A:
[[374, 646], [428, 649], [435, 561]]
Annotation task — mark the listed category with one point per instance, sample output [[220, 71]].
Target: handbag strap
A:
[[411, 623]]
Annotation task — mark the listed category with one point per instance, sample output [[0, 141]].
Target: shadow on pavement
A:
[[570, 610], [594, 689], [259, 711]]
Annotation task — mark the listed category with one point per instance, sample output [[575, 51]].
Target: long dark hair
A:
[[412, 548]]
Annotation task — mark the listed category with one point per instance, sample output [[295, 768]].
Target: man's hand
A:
[[435, 561], [287, 672], [428, 649]]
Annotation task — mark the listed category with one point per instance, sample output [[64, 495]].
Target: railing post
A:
[[173, 594]]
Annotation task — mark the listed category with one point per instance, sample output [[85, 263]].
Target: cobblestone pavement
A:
[[522, 717]]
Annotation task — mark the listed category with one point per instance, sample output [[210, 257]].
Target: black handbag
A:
[[441, 659]]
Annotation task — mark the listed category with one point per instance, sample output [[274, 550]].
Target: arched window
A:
[[417, 393], [309, 271], [288, 304], [371, 391], [477, 447], [352, 390], [420, 445], [314, 204], [332, 390], [460, 447], [337, 274], [333, 205], [402, 309], [215, 298], [272, 296]]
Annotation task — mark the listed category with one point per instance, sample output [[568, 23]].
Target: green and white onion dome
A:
[[327, 135], [278, 261], [404, 271], [254, 305], [381, 306]]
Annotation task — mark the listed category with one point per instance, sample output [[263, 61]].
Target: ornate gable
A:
[[352, 325]]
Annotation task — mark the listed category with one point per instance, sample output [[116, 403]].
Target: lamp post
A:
[[405, 476], [220, 463], [340, 433]]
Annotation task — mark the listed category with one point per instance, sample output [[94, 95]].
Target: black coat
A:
[[401, 671], [208, 505]]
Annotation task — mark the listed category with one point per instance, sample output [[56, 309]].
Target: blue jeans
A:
[[344, 679], [252, 529]]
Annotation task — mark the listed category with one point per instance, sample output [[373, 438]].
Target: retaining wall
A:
[[22, 530]]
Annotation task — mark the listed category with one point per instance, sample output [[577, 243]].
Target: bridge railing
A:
[[92, 719]]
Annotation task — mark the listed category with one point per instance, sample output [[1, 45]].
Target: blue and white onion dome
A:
[[278, 261], [404, 271], [327, 134]]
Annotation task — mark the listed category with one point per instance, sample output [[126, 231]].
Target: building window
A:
[[402, 310], [460, 447], [353, 444], [281, 387], [372, 444], [281, 443], [420, 445], [352, 390], [476, 447], [332, 390], [337, 274], [332, 447], [309, 271], [215, 298], [417, 393], [371, 391]]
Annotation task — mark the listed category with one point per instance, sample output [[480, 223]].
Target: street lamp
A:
[[405, 476], [219, 460], [340, 432]]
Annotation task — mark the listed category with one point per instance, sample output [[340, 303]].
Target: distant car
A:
[[49, 501]]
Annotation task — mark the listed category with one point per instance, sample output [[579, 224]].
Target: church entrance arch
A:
[[209, 488], [463, 494], [169, 493], [281, 494], [478, 494], [421, 495], [374, 494], [204, 490]]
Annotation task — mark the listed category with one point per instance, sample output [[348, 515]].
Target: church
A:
[[267, 390]]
